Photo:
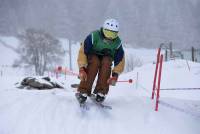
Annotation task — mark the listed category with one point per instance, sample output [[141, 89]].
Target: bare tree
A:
[[39, 50], [132, 62]]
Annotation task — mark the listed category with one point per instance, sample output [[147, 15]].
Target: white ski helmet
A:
[[111, 24]]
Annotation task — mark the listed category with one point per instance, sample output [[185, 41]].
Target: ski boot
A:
[[81, 97], [100, 97]]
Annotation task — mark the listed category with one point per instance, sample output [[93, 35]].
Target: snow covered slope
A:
[[56, 111]]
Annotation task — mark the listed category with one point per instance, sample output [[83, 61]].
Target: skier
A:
[[96, 54]]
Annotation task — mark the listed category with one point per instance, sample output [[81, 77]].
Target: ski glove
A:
[[82, 74], [113, 80]]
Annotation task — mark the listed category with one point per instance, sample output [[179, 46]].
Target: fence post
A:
[[65, 73], [166, 54], [1, 73], [137, 81], [155, 74], [70, 55], [193, 59], [170, 49], [159, 80], [56, 72]]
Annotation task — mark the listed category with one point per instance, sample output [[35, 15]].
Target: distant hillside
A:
[[143, 23]]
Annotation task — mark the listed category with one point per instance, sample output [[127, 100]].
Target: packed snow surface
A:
[[57, 111]]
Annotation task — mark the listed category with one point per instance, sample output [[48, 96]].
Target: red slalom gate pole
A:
[[155, 74], [129, 81], [159, 79]]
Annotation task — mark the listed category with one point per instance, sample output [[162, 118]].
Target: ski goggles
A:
[[110, 34]]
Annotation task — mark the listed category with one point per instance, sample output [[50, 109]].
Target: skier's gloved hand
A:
[[113, 80], [82, 74]]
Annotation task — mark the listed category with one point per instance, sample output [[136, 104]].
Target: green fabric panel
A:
[[100, 44]]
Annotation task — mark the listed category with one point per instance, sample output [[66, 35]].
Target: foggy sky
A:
[[143, 23]]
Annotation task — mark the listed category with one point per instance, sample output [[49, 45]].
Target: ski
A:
[[104, 106], [84, 106], [92, 97]]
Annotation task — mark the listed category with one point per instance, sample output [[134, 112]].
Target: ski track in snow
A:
[[56, 111]]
